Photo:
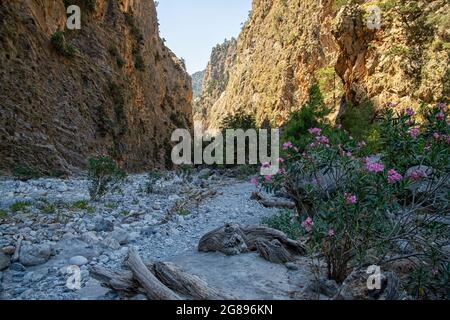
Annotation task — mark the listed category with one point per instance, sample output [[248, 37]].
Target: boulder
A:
[[5, 261], [35, 254]]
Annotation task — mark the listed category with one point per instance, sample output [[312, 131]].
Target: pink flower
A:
[[280, 160], [417, 175], [394, 176], [350, 198], [287, 145], [436, 136], [349, 154], [308, 224], [281, 171], [374, 167], [440, 116], [322, 140], [268, 178], [339, 126], [414, 132], [315, 131], [331, 233], [266, 165], [409, 112], [442, 107], [410, 122], [255, 182]]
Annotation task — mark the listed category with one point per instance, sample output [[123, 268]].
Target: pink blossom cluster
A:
[[440, 116], [308, 224], [414, 132], [417, 175], [409, 112], [315, 131], [287, 145], [374, 166], [350, 199], [394, 176]]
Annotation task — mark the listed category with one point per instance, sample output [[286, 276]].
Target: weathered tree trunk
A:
[[273, 203], [233, 239], [154, 289], [176, 279], [120, 281], [273, 251]]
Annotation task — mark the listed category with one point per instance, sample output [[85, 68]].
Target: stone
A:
[[17, 267], [9, 250], [78, 261], [5, 261], [120, 235], [35, 254], [323, 286], [149, 231], [111, 243], [103, 225]]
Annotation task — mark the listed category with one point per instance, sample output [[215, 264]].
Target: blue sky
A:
[[193, 27]]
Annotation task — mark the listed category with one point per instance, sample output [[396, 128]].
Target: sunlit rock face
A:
[[286, 46], [122, 92]]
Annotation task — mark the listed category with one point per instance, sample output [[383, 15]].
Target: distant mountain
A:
[[197, 82]]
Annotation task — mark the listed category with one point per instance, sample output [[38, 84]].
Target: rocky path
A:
[[60, 227]]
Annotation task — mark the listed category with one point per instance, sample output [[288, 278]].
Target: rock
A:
[[204, 173], [120, 235], [355, 287], [35, 254], [156, 206], [291, 266], [111, 243], [149, 231], [322, 286], [5, 261], [17, 267], [103, 225], [9, 250], [78, 261]]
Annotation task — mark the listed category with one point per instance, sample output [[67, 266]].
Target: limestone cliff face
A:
[[405, 60], [111, 87], [215, 79], [287, 45], [281, 48]]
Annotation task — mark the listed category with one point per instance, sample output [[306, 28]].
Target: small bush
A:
[[58, 42], [24, 172], [286, 222], [104, 176], [3, 214], [152, 178], [20, 206]]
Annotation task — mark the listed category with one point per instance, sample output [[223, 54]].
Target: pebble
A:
[[78, 261]]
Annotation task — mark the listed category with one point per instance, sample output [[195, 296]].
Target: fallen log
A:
[[272, 202], [274, 251], [232, 239], [154, 289], [176, 279], [119, 281]]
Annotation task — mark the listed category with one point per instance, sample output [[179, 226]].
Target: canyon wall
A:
[[288, 45], [110, 88]]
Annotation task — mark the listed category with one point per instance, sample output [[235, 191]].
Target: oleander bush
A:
[[358, 210]]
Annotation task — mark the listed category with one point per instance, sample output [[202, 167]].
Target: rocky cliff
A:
[[287, 45], [215, 79], [197, 82], [111, 87]]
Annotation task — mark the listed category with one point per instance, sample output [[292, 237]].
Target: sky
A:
[[193, 27]]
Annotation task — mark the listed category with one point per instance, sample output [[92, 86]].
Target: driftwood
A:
[[16, 254], [232, 239], [121, 281], [157, 281], [176, 279], [272, 203], [274, 251], [154, 289]]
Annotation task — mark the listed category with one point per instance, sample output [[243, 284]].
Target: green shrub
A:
[[3, 214], [286, 222], [20, 206], [58, 42], [25, 172], [311, 115], [152, 178], [104, 176]]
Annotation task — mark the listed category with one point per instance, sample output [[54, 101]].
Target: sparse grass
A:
[[58, 42], [111, 206], [183, 212], [125, 213], [48, 208], [20, 206], [3, 214], [25, 172], [83, 205]]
